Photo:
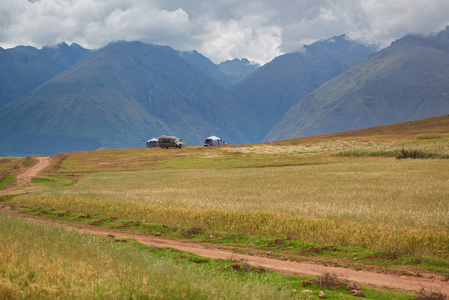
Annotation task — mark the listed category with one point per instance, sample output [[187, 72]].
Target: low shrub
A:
[[414, 154]]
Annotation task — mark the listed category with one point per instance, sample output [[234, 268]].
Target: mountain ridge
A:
[[123, 94], [24, 67], [117, 97], [277, 85], [406, 81]]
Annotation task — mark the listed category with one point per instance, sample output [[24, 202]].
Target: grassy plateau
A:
[[343, 199]]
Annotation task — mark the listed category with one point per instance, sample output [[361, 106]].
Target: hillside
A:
[[227, 74], [274, 88], [407, 81], [206, 66], [425, 129], [119, 97], [24, 68]]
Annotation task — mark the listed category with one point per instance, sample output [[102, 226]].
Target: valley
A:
[[224, 150], [333, 202]]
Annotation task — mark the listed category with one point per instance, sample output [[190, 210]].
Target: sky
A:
[[219, 29]]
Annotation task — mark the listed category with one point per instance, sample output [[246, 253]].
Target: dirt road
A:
[[437, 283], [26, 175], [434, 283]]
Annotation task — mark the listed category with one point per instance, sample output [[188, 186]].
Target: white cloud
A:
[[220, 29]]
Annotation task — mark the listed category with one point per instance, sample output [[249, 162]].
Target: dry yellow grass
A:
[[8, 163], [45, 262], [379, 203], [345, 188]]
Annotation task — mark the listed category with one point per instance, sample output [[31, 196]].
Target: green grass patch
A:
[[42, 180], [68, 164], [431, 136], [6, 181], [369, 153]]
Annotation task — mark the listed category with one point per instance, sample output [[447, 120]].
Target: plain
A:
[[341, 193]]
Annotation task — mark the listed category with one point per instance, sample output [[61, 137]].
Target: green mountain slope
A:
[[407, 81], [119, 97]]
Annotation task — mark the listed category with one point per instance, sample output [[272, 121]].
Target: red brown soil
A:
[[434, 283], [399, 131]]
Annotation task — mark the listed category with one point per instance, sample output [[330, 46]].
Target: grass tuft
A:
[[431, 295]]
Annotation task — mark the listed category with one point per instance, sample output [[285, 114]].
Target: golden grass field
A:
[[44, 262], [346, 189]]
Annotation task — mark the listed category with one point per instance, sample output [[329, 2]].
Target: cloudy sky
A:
[[219, 29]]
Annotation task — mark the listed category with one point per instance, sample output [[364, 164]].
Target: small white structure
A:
[[213, 141], [152, 143]]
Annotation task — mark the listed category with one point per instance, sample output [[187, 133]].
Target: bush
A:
[[414, 154]]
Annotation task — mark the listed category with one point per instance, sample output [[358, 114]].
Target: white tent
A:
[[152, 143], [213, 141]]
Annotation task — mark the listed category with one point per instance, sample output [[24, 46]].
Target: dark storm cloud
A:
[[259, 30]]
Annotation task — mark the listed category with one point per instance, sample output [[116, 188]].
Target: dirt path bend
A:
[[26, 175], [435, 284]]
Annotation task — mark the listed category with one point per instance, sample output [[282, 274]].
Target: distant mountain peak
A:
[[25, 67], [338, 43], [336, 38], [239, 61], [238, 68], [194, 52], [63, 45], [279, 84]]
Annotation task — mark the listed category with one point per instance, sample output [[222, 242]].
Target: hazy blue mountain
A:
[[23, 68], [226, 74], [238, 69], [120, 96], [407, 81], [270, 91], [206, 66]]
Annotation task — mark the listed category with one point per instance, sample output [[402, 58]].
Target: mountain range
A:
[[407, 81], [279, 84], [66, 98], [117, 97], [24, 68]]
